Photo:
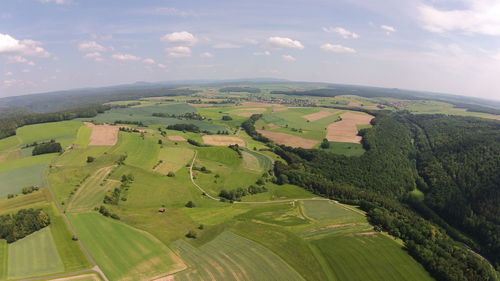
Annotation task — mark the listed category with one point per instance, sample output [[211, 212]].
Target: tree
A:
[[190, 204], [191, 234], [171, 174], [90, 159], [160, 142], [325, 144]]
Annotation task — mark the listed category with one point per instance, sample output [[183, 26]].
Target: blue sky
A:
[[438, 45]]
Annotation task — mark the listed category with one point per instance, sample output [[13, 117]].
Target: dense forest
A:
[[459, 159], [26, 221], [48, 147], [380, 181]]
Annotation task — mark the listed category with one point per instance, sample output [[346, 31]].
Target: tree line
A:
[[21, 224]]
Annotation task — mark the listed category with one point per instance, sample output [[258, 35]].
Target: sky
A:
[[450, 46]]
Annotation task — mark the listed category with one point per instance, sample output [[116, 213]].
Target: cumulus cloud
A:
[[207, 55], [342, 32], [125, 57], [182, 38], [388, 29], [161, 66], [288, 58], [91, 46], [226, 46], [10, 45], [149, 61], [19, 59], [284, 43], [179, 52], [8, 73], [337, 48], [481, 17], [94, 55], [265, 53]]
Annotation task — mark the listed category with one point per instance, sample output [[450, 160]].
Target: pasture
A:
[[35, 254], [122, 251], [34, 199], [346, 148], [3, 259], [141, 152], [232, 257], [328, 210], [91, 193], [12, 181], [63, 132], [367, 256], [173, 159]]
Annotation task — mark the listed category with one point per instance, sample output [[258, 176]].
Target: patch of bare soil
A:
[[176, 138], [103, 134], [346, 129], [287, 139], [222, 140]]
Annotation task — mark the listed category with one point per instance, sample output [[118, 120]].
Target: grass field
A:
[[35, 254], [91, 193], [173, 159], [3, 259], [122, 251], [367, 257], [35, 198], [141, 153], [232, 257], [8, 143], [12, 181], [327, 210], [64, 132]]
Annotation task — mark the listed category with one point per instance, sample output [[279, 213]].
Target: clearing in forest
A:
[[218, 140], [103, 134], [346, 130], [287, 139], [317, 115]]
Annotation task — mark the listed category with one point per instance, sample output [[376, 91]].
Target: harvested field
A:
[[103, 134], [346, 130], [222, 140], [176, 138], [317, 115], [247, 112], [354, 104], [201, 104], [287, 139]]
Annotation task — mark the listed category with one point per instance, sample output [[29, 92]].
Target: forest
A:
[[380, 181], [26, 221]]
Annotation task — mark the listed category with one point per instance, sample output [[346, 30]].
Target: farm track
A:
[[238, 202]]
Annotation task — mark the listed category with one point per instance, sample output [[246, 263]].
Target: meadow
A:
[[12, 181]]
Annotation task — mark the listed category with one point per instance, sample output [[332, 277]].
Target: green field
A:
[[64, 132], [122, 251], [91, 193], [36, 254], [142, 153], [326, 210], [12, 181], [4, 251], [35, 198], [232, 257], [173, 158], [346, 148], [367, 257]]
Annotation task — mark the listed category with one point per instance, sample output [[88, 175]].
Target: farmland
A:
[[161, 225]]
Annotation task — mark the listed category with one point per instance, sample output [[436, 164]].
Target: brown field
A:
[[176, 138], [354, 104], [273, 126], [222, 140], [201, 104], [103, 134], [247, 112], [317, 115], [346, 130], [287, 139]]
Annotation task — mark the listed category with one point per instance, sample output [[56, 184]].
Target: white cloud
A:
[[59, 2], [251, 41], [162, 66], [179, 52], [25, 71], [288, 58], [388, 29], [265, 53], [8, 73], [284, 43], [182, 37], [95, 56], [149, 61], [226, 46], [342, 32], [337, 48], [91, 46], [125, 57], [10, 45], [481, 17], [19, 59], [207, 55]]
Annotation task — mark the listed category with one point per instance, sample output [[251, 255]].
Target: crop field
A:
[[3, 259], [8, 143], [35, 254], [33, 199], [173, 158], [317, 115], [12, 181], [327, 210], [346, 130], [367, 256], [122, 251], [232, 257], [27, 161]]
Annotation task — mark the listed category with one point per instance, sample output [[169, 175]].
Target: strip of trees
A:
[[21, 224]]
